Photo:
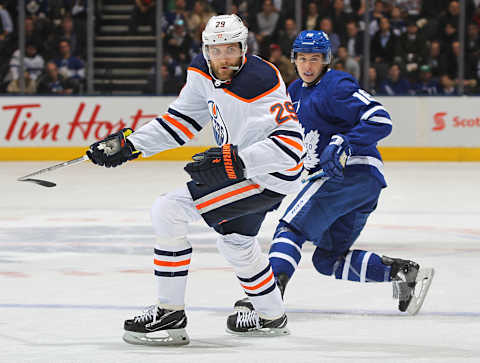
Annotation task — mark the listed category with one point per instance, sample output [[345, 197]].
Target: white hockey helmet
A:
[[224, 29]]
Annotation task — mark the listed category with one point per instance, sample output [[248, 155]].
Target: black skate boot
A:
[[410, 283], [248, 323], [246, 305], [157, 326]]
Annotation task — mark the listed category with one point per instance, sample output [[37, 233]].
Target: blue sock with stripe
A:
[[285, 251], [357, 265]]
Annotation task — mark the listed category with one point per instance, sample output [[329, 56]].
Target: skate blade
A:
[[423, 282], [170, 337], [264, 332]]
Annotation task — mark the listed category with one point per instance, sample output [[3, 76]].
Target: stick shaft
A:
[[55, 167]]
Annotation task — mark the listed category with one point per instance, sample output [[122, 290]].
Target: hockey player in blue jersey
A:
[[342, 124]]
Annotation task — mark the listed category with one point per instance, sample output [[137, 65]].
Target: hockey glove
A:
[[334, 157], [216, 166], [114, 150]]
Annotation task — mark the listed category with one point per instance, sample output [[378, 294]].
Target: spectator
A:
[[326, 26], [252, 44], [412, 48], [395, 84], [447, 87], [68, 32], [373, 84], [473, 40], [171, 85], [313, 17], [199, 16], [37, 10], [436, 60], [33, 63], [178, 12], [397, 23], [339, 19], [384, 44], [350, 64], [267, 21], [143, 14], [53, 83], [6, 24], [287, 35], [374, 17], [32, 35], [178, 42], [411, 8], [354, 41], [452, 63], [284, 65], [69, 66], [426, 86], [30, 85]]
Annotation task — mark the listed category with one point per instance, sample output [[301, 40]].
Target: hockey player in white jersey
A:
[[233, 186]]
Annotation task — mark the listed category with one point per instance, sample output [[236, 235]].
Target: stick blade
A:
[[43, 183]]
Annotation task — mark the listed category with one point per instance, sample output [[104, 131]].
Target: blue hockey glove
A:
[[334, 157], [216, 166], [114, 150]]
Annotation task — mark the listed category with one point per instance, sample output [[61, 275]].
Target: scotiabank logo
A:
[[441, 120]]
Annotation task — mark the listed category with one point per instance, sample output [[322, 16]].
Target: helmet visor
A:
[[222, 51]]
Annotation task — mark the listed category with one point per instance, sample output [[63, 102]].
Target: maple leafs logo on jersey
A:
[[311, 141]]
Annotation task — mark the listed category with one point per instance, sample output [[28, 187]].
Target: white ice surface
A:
[[75, 261]]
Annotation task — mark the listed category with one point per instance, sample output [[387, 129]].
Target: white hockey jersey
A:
[[253, 111]]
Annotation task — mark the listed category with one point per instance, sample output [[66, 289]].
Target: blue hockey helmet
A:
[[312, 41]]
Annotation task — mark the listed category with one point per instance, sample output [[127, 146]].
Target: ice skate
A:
[[246, 305], [410, 283], [157, 326], [248, 323]]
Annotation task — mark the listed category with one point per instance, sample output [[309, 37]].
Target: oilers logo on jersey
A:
[[220, 131]]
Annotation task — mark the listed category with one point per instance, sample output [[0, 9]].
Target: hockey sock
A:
[[358, 265], [286, 250], [254, 273], [171, 263]]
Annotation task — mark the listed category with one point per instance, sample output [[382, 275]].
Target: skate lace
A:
[[401, 291], [247, 319], [150, 313]]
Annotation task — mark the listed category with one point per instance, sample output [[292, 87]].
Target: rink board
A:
[[61, 128]]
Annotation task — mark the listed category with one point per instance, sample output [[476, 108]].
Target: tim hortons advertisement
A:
[[79, 121], [73, 121]]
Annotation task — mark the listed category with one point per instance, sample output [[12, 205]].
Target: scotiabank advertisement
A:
[[433, 121]]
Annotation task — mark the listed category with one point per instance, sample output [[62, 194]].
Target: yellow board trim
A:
[[186, 152]]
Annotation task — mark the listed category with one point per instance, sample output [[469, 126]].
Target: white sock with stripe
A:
[[254, 273], [171, 264]]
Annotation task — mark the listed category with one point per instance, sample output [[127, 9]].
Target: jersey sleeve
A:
[[185, 117], [282, 150], [363, 118]]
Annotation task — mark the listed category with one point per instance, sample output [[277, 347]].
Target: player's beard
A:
[[222, 69]]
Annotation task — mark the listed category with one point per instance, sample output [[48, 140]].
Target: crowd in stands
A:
[[413, 50]]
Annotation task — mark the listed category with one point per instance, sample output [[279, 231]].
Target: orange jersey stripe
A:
[[171, 264], [296, 167], [178, 125], [260, 284], [227, 195], [290, 142], [199, 72]]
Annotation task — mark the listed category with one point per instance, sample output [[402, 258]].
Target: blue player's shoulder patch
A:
[[333, 77], [256, 78]]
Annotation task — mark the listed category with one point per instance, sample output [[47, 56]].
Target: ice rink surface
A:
[[76, 260]]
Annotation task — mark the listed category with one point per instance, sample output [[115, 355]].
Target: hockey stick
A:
[[320, 174], [45, 183]]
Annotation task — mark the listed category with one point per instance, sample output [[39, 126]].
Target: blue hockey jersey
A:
[[337, 105]]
